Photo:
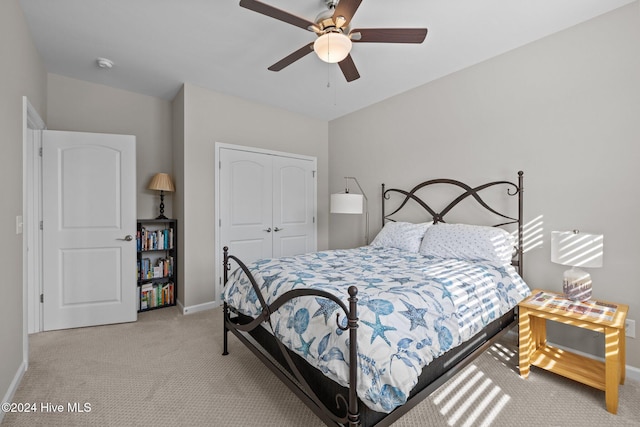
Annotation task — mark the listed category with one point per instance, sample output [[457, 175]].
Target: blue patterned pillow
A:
[[401, 235], [470, 242]]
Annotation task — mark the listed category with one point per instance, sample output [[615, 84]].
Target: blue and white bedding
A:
[[412, 309]]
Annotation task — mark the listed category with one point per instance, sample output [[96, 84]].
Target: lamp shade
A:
[[347, 203], [577, 249], [161, 181], [332, 47]]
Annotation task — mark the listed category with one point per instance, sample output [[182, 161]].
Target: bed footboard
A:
[[348, 406]]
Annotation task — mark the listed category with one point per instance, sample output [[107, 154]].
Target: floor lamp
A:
[[349, 203]]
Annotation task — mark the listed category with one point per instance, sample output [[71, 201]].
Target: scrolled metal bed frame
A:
[[340, 406]]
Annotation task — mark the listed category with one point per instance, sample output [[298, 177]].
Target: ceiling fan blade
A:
[[349, 69], [290, 59], [276, 13], [388, 35], [346, 9]]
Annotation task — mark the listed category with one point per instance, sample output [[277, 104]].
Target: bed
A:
[[420, 302]]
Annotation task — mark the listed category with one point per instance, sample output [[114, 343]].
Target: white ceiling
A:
[[157, 45]]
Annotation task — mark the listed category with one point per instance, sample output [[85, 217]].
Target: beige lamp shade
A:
[[162, 182]]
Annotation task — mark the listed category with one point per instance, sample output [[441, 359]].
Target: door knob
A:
[[278, 229], [268, 230], [128, 238]]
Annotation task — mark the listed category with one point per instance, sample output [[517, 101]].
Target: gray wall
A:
[[565, 109], [76, 105], [208, 117], [21, 73]]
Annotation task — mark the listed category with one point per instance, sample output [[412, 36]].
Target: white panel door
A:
[[294, 206], [89, 212], [246, 204]]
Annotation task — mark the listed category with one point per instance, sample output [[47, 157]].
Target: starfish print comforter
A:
[[412, 309]]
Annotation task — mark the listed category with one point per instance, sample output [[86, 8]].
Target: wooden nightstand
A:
[[607, 318]]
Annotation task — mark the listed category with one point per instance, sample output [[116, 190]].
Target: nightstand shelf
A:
[[604, 317], [574, 366]]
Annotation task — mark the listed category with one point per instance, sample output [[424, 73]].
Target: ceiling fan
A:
[[335, 37]]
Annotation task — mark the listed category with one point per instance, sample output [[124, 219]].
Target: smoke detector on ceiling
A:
[[105, 63]]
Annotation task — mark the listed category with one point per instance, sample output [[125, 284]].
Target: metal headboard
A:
[[513, 189]]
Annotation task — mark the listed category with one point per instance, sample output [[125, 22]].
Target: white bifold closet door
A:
[[267, 204]]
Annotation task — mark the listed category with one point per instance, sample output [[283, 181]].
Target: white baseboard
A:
[[196, 308], [633, 373], [13, 387]]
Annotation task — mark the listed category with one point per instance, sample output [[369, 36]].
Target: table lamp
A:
[[577, 249], [161, 182]]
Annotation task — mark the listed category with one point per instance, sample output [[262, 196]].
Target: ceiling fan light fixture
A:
[[332, 47]]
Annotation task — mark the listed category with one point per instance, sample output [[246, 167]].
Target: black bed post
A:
[[383, 204], [225, 309], [520, 223], [354, 412]]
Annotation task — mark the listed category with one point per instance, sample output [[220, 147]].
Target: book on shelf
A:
[[167, 266], [157, 295], [149, 240], [144, 296], [163, 267], [144, 269]]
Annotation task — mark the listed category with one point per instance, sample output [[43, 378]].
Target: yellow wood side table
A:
[[601, 316]]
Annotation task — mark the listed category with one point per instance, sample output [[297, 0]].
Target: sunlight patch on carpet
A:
[[472, 398]]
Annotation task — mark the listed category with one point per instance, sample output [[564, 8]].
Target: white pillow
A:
[[470, 242], [401, 235]]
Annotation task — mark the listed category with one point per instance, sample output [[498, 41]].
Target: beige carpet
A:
[[167, 370]]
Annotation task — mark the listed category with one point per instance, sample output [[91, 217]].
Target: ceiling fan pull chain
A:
[[335, 96]]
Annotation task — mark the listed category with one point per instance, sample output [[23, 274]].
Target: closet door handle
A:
[[268, 230], [127, 238], [278, 229]]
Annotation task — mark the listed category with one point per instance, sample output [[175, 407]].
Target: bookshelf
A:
[[157, 254]]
